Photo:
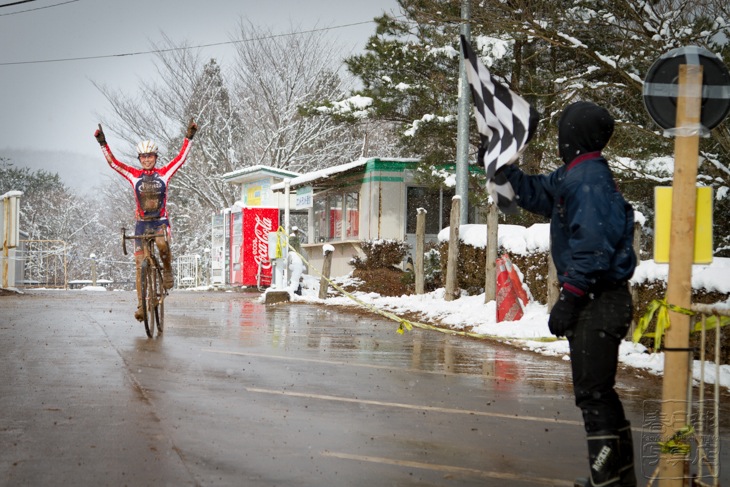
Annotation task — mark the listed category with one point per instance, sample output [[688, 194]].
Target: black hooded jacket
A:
[[583, 128], [591, 225]]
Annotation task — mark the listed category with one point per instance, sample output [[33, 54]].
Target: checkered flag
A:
[[505, 122]]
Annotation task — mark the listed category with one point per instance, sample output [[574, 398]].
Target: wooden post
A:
[[6, 240], [681, 255], [93, 271], [635, 289], [490, 278], [326, 269], [553, 285], [420, 244], [10, 209], [452, 284], [6, 264]]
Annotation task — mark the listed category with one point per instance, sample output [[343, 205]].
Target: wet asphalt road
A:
[[236, 393]]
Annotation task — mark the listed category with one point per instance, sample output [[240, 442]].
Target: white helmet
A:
[[146, 147]]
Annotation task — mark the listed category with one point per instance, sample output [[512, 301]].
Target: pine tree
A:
[[552, 53]]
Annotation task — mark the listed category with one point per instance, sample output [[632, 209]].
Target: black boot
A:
[[603, 455], [626, 457]]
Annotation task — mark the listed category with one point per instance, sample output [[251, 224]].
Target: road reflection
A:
[[353, 336]]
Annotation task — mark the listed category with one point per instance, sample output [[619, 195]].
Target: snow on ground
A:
[[93, 288], [531, 332]]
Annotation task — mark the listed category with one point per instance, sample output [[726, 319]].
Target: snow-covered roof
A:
[[253, 172], [10, 194], [313, 176]]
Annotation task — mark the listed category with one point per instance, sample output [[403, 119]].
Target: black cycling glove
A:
[[192, 128], [99, 135]]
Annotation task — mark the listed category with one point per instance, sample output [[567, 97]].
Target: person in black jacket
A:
[[591, 230]]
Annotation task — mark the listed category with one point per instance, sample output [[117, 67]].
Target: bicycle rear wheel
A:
[[148, 298]]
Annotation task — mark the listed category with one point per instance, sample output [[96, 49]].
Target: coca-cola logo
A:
[[260, 248]]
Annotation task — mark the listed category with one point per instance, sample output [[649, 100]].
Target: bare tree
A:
[[277, 75], [248, 114]]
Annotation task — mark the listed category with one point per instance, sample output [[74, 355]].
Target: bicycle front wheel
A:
[[160, 303], [149, 298]]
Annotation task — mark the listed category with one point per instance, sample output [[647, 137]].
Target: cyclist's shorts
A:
[[160, 227]]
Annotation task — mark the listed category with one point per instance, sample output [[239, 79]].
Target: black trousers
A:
[[603, 322]]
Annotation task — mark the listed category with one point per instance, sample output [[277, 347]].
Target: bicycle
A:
[[153, 291]]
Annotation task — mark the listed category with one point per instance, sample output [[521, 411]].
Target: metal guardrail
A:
[[703, 312], [42, 263], [707, 447], [188, 271]]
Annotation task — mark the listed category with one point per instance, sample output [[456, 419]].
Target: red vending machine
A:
[[254, 250]]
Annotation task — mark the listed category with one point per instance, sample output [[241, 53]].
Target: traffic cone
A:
[[508, 307], [516, 282]]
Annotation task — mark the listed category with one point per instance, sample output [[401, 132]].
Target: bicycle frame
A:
[[153, 292]]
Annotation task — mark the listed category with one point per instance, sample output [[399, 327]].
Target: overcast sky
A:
[[54, 105]]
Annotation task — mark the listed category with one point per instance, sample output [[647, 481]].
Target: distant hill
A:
[[78, 171]]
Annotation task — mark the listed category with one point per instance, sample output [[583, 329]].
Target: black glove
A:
[[564, 314], [192, 128], [99, 134]]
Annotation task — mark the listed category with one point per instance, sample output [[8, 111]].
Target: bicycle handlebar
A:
[[146, 236], [124, 240]]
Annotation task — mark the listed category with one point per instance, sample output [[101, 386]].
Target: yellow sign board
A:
[[663, 223]]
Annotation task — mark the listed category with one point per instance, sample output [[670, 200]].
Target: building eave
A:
[[314, 177], [253, 173]]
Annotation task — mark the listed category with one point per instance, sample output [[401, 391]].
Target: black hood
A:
[[583, 127]]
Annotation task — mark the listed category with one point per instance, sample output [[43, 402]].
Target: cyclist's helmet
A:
[[146, 147]]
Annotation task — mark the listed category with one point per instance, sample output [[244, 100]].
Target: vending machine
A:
[[257, 224], [241, 245]]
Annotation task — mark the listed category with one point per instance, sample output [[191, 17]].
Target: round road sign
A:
[[661, 86]]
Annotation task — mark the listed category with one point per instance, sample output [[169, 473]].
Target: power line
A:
[[33, 9], [15, 3], [200, 46]]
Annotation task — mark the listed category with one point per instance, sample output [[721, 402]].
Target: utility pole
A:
[[462, 130]]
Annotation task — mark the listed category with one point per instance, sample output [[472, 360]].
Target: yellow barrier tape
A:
[[278, 254], [679, 443], [712, 322], [661, 325], [661, 309], [403, 324]]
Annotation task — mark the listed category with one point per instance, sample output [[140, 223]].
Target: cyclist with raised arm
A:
[[150, 186]]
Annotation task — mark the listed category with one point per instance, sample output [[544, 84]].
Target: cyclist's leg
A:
[[138, 258], [163, 246]]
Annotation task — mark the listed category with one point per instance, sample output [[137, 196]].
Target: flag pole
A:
[[462, 130]]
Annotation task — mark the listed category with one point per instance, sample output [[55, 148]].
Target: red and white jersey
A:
[[150, 187]]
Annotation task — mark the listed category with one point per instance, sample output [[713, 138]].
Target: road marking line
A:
[[435, 409], [447, 468], [311, 360], [335, 398], [352, 364]]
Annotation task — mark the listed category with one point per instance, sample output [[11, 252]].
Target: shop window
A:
[[352, 215], [335, 213], [299, 219]]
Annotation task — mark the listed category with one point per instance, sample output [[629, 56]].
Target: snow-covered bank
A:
[[531, 332]]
